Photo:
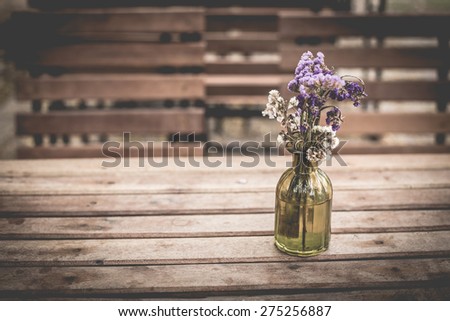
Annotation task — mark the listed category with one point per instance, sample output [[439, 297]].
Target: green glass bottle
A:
[[303, 209]]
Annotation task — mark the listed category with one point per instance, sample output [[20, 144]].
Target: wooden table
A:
[[73, 229]]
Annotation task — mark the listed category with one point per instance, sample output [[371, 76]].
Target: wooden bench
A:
[[250, 33], [101, 40], [242, 55], [296, 30], [147, 58]]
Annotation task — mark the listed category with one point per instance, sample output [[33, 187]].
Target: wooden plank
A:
[[245, 202], [237, 100], [409, 90], [39, 281], [378, 91], [364, 149], [244, 67], [366, 57], [242, 22], [110, 182], [232, 250], [228, 86], [114, 56], [436, 293], [293, 24], [126, 86], [218, 6], [106, 20], [219, 225], [377, 123], [409, 293], [159, 149], [246, 42], [241, 85], [226, 165], [273, 80], [153, 121]]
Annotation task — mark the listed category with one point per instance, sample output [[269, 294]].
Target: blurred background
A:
[[74, 74]]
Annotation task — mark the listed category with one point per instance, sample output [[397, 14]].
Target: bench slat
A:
[[217, 6], [200, 181], [41, 282], [244, 67], [116, 20], [127, 86], [95, 151], [115, 56], [244, 202], [242, 22], [367, 57], [218, 225], [157, 121], [373, 123], [154, 251], [246, 42], [293, 25], [363, 149], [248, 85]]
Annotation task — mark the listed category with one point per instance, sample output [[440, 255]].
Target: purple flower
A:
[[335, 127], [292, 86], [334, 118], [314, 84], [355, 92]]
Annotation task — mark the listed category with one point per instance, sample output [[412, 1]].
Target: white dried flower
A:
[[335, 142], [281, 139], [315, 154], [275, 107], [293, 122], [293, 103]]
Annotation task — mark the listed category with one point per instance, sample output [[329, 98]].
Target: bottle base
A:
[[286, 250]]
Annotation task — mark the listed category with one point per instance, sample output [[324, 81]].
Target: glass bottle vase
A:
[[303, 209]]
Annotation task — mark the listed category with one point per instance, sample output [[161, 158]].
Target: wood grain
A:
[[116, 20], [242, 67], [97, 150], [228, 86], [198, 250], [45, 281], [128, 86], [156, 121], [146, 237], [293, 24], [247, 42], [380, 123], [200, 181], [162, 226], [115, 57], [367, 57], [277, 164], [210, 203]]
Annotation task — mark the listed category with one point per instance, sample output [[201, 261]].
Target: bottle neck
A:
[[301, 164]]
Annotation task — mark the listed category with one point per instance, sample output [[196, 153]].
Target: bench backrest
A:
[[137, 56], [298, 32]]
